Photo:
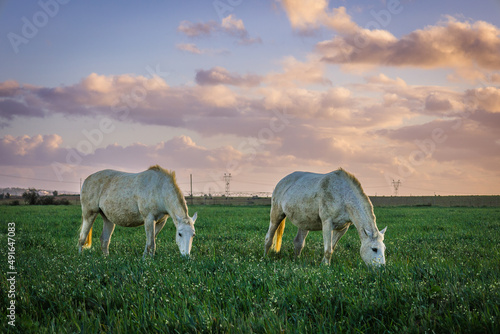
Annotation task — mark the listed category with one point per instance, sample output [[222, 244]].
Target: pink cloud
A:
[[31, 151], [16, 101], [323, 128], [469, 48], [121, 97], [230, 103], [9, 88], [452, 44], [296, 72], [193, 48], [461, 140], [487, 98], [12, 107], [312, 14], [230, 26], [235, 27], [189, 47], [219, 75], [179, 151], [435, 103], [197, 29]]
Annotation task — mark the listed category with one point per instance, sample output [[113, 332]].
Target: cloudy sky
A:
[[389, 90]]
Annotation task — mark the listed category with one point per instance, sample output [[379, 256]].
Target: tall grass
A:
[[442, 275]]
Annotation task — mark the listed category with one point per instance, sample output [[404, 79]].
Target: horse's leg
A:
[[276, 217], [159, 226], [300, 241], [149, 226], [107, 231], [88, 218], [337, 234], [327, 240]]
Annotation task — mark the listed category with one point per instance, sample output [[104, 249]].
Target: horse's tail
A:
[[88, 240], [278, 235]]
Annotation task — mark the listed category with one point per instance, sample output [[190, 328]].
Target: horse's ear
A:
[[177, 220], [368, 233], [383, 231], [194, 217]]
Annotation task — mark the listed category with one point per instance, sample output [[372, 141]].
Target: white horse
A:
[[328, 202], [147, 198]]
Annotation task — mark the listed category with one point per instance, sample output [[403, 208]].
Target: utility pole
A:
[[396, 185], [191, 183], [79, 197], [227, 179]]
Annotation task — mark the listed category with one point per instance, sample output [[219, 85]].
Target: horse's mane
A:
[[352, 178], [355, 182], [171, 175]]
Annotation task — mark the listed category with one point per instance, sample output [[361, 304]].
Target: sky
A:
[[389, 90]]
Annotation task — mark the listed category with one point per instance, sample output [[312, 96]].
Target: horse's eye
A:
[[375, 249], [180, 235]]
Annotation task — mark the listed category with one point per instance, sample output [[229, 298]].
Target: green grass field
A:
[[442, 275]]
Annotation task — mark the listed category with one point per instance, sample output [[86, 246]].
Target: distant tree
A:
[[63, 201], [46, 200], [7, 195], [55, 193], [31, 196], [2, 195]]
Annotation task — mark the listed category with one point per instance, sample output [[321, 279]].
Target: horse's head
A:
[[185, 233], [373, 248]]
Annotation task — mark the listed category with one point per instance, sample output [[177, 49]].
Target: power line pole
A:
[[396, 185], [79, 197], [227, 179], [191, 183]]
